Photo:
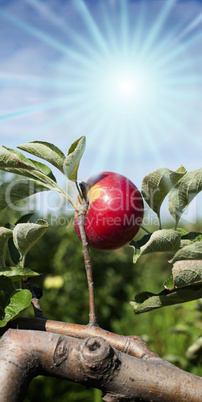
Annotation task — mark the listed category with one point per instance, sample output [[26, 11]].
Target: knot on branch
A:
[[61, 351], [99, 360]]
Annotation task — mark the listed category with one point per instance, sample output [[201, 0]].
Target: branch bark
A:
[[93, 362], [132, 345]]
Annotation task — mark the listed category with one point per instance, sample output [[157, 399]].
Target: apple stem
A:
[[88, 266], [146, 230], [78, 189]]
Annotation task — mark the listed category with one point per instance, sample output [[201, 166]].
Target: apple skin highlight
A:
[[115, 211]]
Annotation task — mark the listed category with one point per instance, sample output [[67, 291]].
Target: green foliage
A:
[[25, 235], [156, 186], [73, 158], [186, 285], [116, 278], [147, 301], [5, 234], [168, 332], [163, 240], [183, 193], [67, 165], [192, 251], [17, 274], [10, 193], [14, 300], [180, 186], [183, 275], [15, 162], [46, 151]]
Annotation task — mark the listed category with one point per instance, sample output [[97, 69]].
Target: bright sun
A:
[[125, 86], [118, 67], [124, 89]]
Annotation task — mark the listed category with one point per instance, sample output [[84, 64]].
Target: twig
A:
[[82, 209]]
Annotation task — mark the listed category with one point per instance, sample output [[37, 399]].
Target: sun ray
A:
[[33, 109], [179, 49], [75, 55], [119, 76], [109, 26], [124, 27], [34, 32], [158, 24], [137, 27], [91, 25], [194, 24]]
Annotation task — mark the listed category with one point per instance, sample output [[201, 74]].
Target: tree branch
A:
[[132, 345], [82, 209], [92, 362]]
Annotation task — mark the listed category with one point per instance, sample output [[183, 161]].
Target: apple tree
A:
[[108, 214]]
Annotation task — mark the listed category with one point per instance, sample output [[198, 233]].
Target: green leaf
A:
[[169, 283], [156, 186], [190, 235], [25, 235], [43, 169], [5, 234], [17, 273], [149, 301], [184, 192], [72, 161], [38, 165], [14, 161], [18, 302], [160, 241], [188, 276], [15, 191], [192, 251], [186, 272], [182, 232], [14, 254], [187, 237], [47, 151], [137, 246], [26, 218], [11, 162]]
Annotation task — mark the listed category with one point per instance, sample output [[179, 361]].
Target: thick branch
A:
[[132, 345], [93, 362]]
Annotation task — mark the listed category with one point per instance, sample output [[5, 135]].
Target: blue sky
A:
[[127, 74]]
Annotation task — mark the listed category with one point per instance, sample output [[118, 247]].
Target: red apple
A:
[[115, 211]]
